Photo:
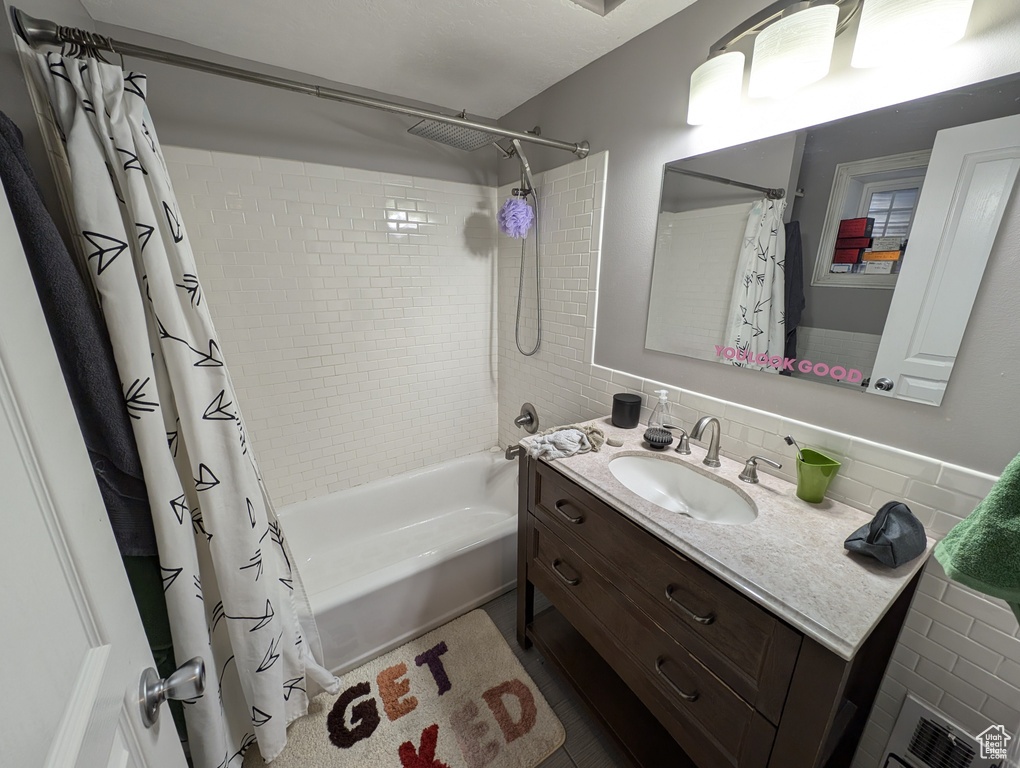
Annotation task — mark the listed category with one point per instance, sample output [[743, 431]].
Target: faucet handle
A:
[[749, 474], [683, 446]]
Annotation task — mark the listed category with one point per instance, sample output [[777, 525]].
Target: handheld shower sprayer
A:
[[515, 219], [516, 216], [526, 177]]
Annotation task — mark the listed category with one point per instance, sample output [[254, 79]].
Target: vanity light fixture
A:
[[793, 48], [892, 30], [794, 42]]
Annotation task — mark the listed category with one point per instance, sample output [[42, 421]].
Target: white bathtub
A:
[[390, 560]]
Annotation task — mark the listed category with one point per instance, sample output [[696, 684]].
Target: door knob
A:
[[884, 384], [186, 682]]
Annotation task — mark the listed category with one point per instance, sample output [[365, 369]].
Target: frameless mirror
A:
[[848, 253]]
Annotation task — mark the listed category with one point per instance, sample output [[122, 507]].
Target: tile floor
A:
[[585, 746]]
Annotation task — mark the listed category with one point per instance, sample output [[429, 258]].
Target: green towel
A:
[[983, 550]]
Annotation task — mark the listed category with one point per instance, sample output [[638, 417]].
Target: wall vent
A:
[[923, 737], [936, 745]]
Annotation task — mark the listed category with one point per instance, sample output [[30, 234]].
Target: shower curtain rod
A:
[[771, 193], [38, 32]]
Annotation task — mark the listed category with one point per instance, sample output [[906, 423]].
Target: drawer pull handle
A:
[[559, 505], [706, 620], [562, 575], [676, 689]]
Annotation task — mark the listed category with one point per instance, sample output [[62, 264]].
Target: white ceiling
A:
[[486, 56]]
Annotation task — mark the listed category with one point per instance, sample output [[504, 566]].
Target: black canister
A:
[[626, 410]]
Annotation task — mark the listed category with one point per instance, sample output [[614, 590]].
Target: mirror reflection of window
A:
[[892, 210], [885, 191]]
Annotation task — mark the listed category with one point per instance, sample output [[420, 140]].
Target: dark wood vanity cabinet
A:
[[681, 668]]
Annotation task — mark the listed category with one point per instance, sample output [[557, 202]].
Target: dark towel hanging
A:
[[793, 269], [83, 349]]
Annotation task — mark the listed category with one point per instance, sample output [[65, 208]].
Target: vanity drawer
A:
[[747, 647], [711, 722]]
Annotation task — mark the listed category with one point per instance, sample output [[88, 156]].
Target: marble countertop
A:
[[790, 559]]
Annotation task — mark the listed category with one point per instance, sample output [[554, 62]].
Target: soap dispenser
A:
[[657, 436]]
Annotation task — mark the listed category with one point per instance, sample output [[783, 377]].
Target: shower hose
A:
[[520, 285]]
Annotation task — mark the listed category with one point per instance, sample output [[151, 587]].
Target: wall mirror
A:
[[848, 253]]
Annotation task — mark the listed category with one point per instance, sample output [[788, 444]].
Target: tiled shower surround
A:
[[356, 311], [296, 337]]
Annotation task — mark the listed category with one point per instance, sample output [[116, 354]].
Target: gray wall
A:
[[633, 102], [771, 162], [193, 109]]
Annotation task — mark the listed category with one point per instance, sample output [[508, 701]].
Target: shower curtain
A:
[[232, 594], [757, 328]]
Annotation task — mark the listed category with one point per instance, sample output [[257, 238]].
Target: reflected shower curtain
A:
[[757, 327], [231, 593]]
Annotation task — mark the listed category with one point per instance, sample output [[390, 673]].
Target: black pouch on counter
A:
[[893, 538]]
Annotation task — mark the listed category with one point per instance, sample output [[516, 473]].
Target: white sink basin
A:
[[680, 488]]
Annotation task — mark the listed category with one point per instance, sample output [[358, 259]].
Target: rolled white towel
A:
[[558, 445]]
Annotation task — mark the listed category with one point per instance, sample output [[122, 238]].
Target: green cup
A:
[[814, 473]]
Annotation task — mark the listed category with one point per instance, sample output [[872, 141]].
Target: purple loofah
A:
[[515, 217]]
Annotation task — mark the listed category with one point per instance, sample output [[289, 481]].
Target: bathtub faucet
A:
[[513, 451]]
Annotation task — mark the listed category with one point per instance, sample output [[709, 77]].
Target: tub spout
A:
[[513, 451]]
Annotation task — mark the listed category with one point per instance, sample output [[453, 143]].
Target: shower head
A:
[[469, 140], [455, 136]]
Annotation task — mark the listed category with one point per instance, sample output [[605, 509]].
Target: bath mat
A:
[[456, 697]]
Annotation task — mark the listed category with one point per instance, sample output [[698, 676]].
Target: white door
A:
[[73, 646], [970, 178]]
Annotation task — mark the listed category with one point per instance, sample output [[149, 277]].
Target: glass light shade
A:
[[715, 88], [892, 30], [793, 52]]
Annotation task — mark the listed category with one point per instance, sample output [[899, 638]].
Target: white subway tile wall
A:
[[960, 650], [356, 311], [844, 348], [696, 253]]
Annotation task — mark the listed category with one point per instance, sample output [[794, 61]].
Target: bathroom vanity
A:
[[704, 644]]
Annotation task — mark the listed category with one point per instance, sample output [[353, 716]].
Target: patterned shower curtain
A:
[[232, 594], [757, 325]]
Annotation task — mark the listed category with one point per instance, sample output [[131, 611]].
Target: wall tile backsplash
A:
[[960, 651], [359, 317], [356, 311]]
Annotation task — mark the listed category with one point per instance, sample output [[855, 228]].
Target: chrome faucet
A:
[[712, 457]]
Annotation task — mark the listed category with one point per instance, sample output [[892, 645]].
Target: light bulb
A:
[[793, 52], [893, 30], [715, 88]]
